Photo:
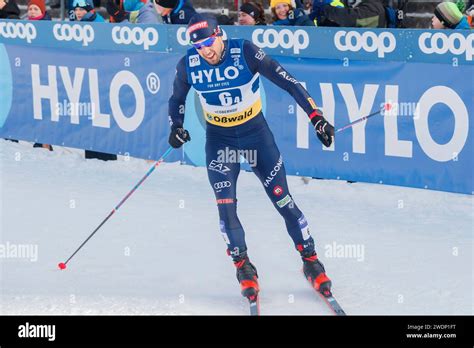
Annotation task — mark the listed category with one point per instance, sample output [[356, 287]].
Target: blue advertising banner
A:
[[114, 102], [83, 35], [437, 46], [424, 141], [106, 88]]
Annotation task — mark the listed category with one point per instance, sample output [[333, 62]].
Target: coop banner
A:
[[452, 47], [424, 140], [115, 100]]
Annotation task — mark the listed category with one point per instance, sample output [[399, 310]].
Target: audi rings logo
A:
[[23, 31], [137, 36], [74, 32], [440, 43], [222, 184], [297, 40], [369, 41]]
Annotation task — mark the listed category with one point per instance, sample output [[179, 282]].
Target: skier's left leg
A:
[[270, 169]]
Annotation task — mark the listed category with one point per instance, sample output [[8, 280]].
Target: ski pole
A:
[[62, 265], [386, 107]]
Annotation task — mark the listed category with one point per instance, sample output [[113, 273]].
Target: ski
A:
[[329, 300], [332, 303], [254, 306]]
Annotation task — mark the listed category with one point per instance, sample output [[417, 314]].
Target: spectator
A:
[[470, 16], [133, 11], [84, 11], [448, 16], [9, 9], [37, 11], [252, 13], [284, 14], [175, 11], [366, 14]]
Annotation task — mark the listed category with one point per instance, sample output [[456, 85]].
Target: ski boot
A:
[[247, 277], [314, 271]]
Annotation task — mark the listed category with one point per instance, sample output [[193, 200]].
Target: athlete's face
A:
[[436, 24], [213, 53], [281, 11], [245, 19]]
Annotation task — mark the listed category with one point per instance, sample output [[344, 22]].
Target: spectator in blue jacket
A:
[[175, 11], [448, 16], [84, 11], [133, 11], [284, 14]]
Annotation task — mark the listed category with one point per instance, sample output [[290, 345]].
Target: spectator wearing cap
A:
[[84, 11], [252, 13], [448, 16], [285, 14], [132, 11], [9, 9], [37, 11], [174, 11]]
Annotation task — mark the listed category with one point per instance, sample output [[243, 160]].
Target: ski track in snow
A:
[[162, 252]]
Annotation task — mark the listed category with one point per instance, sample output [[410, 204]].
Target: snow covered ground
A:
[[389, 250]]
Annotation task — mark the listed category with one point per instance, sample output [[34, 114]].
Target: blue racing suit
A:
[[230, 96]]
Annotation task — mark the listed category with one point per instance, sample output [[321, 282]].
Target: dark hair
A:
[[274, 15], [260, 19]]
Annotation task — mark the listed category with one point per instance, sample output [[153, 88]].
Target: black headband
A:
[[251, 10], [443, 19]]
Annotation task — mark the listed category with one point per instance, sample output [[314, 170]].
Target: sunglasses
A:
[[206, 43]]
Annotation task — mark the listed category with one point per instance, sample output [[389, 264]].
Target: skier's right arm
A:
[[176, 106]]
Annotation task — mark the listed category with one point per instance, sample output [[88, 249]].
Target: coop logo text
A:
[[297, 40], [441, 43], [79, 33], [368, 41]]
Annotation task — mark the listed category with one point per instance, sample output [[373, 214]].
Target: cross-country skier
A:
[[225, 75]]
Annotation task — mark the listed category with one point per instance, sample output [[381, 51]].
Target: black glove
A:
[[178, 137], [324, 130], [115, 12]]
